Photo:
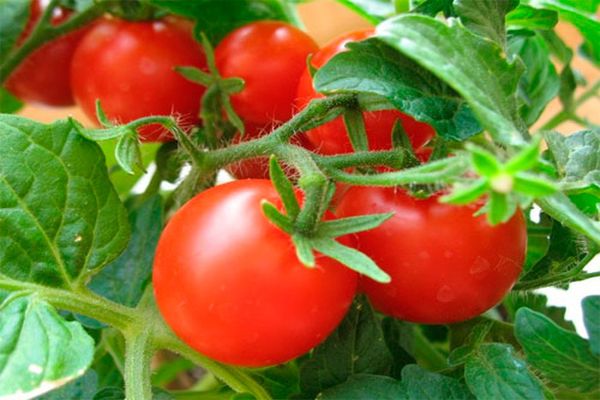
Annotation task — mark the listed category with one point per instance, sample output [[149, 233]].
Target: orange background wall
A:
[[326, 19]]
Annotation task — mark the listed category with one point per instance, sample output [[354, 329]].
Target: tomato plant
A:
[[446, 265], [408, 265], [44, 76], [331, 138], [270, 82], [129, 67], [248, 281]]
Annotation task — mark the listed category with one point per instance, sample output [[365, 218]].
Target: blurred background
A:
[[326, 19]]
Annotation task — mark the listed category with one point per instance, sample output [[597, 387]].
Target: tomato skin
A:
[[331, 138], [43, 77], [129, 66], [229, 284], [270, 56], [446, 265]]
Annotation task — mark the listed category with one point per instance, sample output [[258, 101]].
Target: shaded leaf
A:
[[485, 17], [591, 318]]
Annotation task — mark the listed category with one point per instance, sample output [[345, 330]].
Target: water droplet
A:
[[445, 294], [479, 265]]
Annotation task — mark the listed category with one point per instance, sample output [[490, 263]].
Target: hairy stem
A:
[[138, 354]]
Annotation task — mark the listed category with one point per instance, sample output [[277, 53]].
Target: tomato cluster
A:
[[228, 281]]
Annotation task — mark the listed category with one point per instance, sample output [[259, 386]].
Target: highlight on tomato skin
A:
[[271, 78], [43, 77], [229, 284], [446, 265], [129, 67], [331, 138]]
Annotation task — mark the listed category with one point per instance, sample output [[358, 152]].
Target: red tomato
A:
[[43, 77], [446, 265], [270, 56], [258, 168], [229, 284], [129, 67], [331, 138]]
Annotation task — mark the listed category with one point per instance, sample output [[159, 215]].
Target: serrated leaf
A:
[[39, 350], [374, 11], [561, 356], [364, 386], [540, 83], [13, 18], [576, 157], [526, 17], [591, 318], [473, 66], [419, 383], [9, 104], [217, 18], [372, 67], [495, 372], [536, 302], [124, 279], [485, 17], [566, 252], [355, 347], [351, 258], [582, 17], [82, 388], [59, 214], [343, 226]]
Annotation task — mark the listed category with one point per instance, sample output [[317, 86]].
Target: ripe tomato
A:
[[129, 67], [331, 138], [228, 282], [270, 56], [258, 168], [446, 265], [43, 77]]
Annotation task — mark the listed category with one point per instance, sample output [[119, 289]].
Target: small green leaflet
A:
[[485, 17], [63, 350]]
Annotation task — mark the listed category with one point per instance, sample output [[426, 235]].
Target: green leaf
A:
[[538, 240], [577, 158], [536, 302], [39, 350], [355, 347], [540, 83], [59, 214], [434, 7], [561, 356], [484, 162], [591, 318], [468, 193], [217, 18], [581, 15], [419, 383], [372, 67], [495, 372], [526, 17], [13, 18], [195, 75], [82, 388], [128, 153], [473, 66], [355, 126], [567, 253], [124, 279], [500, 208], [9, 104], [351, 258], [559, 207], [281, 381], [373, 11], [399, 338], [364, 386], [486, 17], [285, 188], [343, 226], [568, 85], [533, 185]]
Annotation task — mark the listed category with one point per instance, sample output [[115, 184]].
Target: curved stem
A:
[[44, 32], [83, 302], [236, 378]]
